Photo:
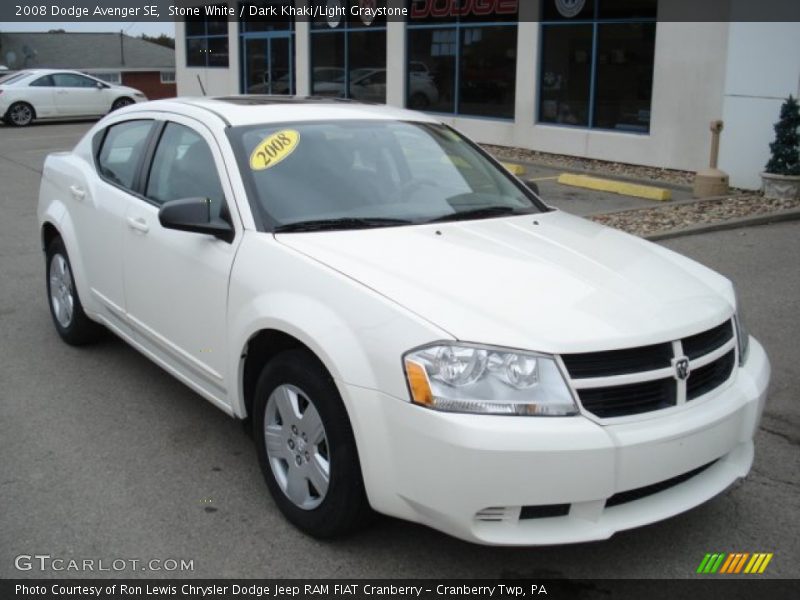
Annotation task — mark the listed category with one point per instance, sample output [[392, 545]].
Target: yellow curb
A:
[[543, 178], [617, 187], [514, 168]]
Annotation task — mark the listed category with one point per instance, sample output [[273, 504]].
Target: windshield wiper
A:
[[479, 213], [342, 223]]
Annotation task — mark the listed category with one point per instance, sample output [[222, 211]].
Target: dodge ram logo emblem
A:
[[682, 369]]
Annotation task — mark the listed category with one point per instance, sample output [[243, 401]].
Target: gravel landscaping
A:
[[600, 167], [646, 221]]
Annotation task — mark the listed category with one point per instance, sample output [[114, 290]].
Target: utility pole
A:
[[121, 48]]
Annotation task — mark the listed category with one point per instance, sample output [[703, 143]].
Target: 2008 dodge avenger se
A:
[[407, 326]]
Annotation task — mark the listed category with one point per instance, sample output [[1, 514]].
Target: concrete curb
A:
[[604, 174], [614, 186], [793, 214], [515, 168]]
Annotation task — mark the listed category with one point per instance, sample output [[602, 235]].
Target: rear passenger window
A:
[[183, 167], [46, 81], [121, 150]]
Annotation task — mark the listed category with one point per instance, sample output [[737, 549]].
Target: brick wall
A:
[[149, 82]]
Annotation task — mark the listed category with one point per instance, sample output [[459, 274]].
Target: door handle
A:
[[77, 192], [138, 224]]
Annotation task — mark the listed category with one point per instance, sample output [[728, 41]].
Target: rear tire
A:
[[71, 322], [20, 114], [306, 447]]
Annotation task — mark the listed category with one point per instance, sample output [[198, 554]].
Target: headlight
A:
[[742, 334], [487, 380]]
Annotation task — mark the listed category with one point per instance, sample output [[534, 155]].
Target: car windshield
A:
[[356, 174]]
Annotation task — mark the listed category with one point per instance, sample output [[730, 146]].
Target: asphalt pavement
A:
[[104, 455]]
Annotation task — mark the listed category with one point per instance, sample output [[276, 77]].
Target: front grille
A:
[[643, 379], [708, 341], [649, 490], [618, 362], [623, 400], [710, 376]]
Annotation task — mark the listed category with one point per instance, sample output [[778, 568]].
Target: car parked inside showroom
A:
[[31, 95], [404, 326]]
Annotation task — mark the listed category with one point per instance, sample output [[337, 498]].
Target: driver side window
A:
[[183, 167]]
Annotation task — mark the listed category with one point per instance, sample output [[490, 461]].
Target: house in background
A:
[[112, 57]]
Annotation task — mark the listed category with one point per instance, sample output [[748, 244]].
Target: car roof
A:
[[40, 72], [260, 109]]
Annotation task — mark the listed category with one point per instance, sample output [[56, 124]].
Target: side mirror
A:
[[194, 215], [533, 186], [99, 85]]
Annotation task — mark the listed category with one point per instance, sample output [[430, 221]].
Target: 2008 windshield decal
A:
[[274, 149]]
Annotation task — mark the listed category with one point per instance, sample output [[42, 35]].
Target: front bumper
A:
[[445, 470]]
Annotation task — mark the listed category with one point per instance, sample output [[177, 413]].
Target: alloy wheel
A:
[[297, 446], [21, 114], [62, 296]]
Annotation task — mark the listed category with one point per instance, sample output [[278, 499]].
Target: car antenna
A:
[[202, 89]]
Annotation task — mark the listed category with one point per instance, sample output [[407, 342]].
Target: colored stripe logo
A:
[[735, 563]]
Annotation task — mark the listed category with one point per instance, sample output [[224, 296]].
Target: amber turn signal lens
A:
[[418, 382]]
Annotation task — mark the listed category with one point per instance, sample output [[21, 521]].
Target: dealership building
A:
[[605, 79]]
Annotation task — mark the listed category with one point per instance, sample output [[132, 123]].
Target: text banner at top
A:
[[377, 12]]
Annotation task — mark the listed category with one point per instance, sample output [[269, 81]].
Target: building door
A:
[[268, 61]]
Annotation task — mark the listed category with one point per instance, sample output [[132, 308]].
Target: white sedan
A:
[[46, 94], [405, 326]]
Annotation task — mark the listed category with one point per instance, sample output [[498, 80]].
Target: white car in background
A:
[[405, 325], [48, 93]]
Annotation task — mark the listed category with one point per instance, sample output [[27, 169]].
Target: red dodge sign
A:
[[461, 8]]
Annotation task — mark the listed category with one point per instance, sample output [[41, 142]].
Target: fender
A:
[[357, 333], [57, 215], [288, 313]]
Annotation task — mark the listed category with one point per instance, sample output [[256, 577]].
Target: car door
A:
[[41, 94], [176, 282], [77, 96], [99, 203]]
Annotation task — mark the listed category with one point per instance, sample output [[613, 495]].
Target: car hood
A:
[[127, 90], [550, 282]]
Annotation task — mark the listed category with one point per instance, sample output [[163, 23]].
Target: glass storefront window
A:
[[432, 69], [487, 72], [566, 70], [267, 50], [367, 63], [625, 54], [596, 67], [468, 64], [328, 63], [348, 54], [206, 41]]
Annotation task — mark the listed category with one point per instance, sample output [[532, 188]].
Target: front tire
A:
[[121, 103], [71, 322], [20, 114], [306, 447]]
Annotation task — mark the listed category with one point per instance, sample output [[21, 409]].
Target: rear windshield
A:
[[404, 171], [12, 77]]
